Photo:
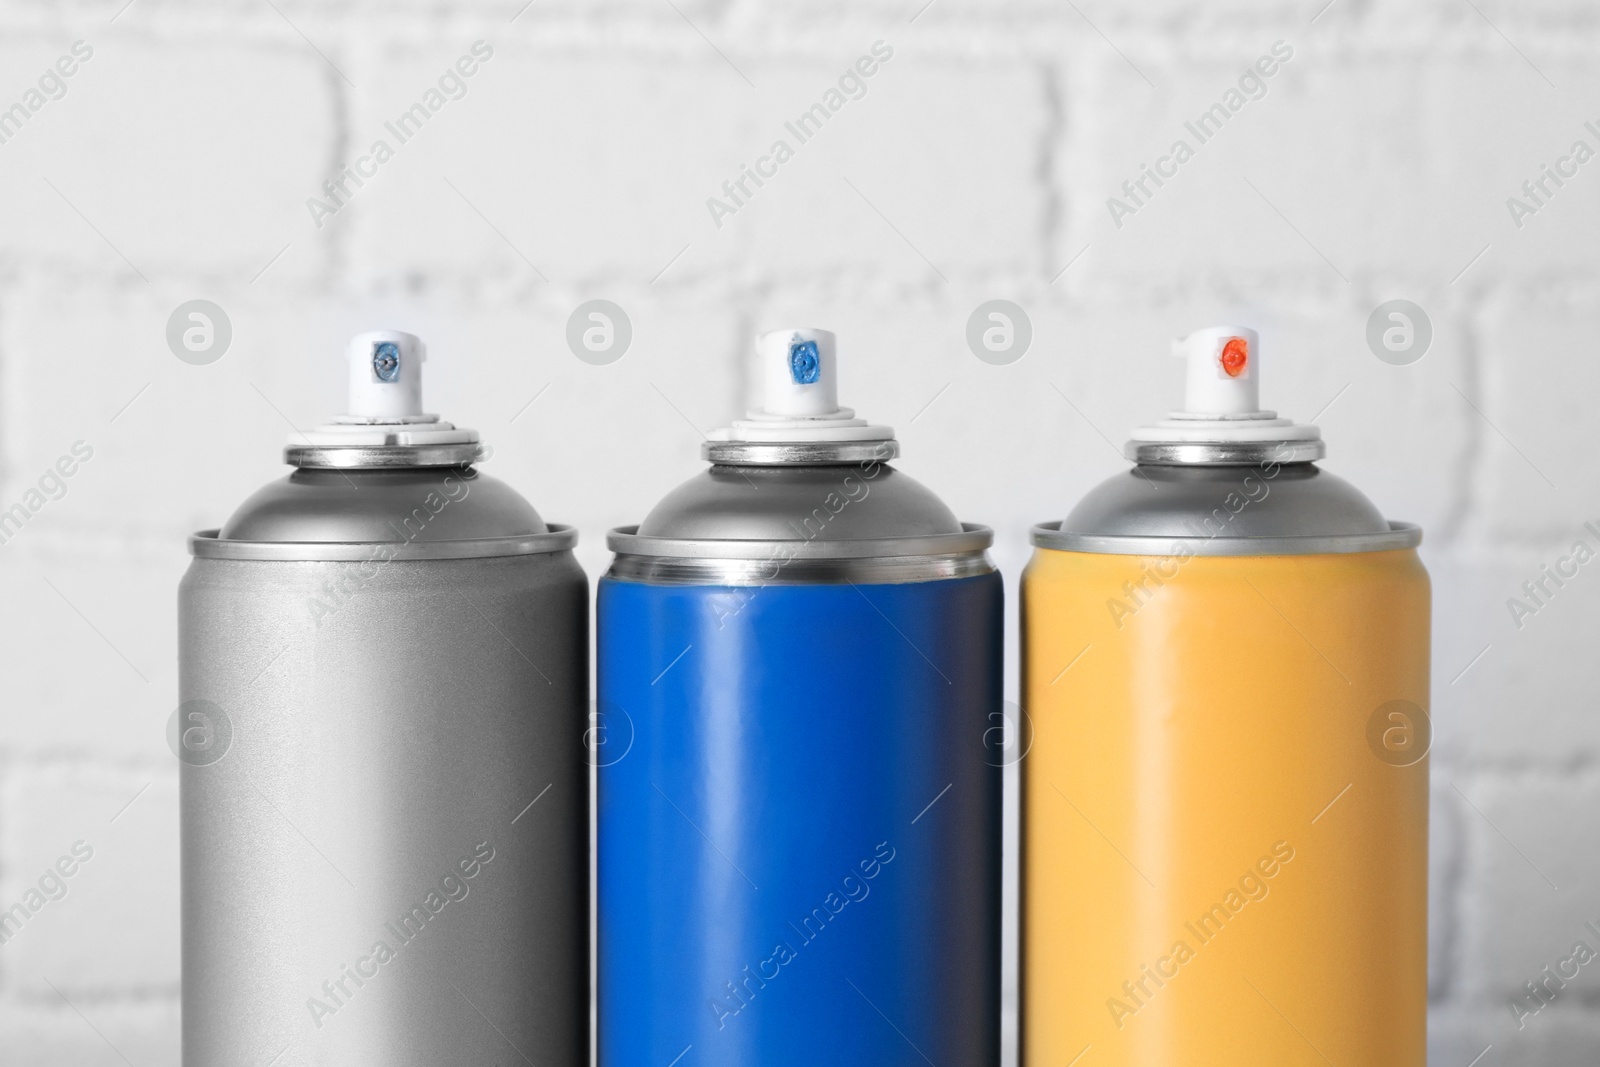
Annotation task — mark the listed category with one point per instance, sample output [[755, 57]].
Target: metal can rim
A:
[[1399, 535], [973, 539], [205, 544], [867, 570], [367, 457], [1223, 453], [799, 453]]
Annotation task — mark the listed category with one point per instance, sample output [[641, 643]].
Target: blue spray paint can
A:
[[799, 786]]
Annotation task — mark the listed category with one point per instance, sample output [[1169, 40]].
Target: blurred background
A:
[[1398, 151]]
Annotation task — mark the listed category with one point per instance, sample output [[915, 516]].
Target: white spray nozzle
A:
[[796, 371], [1222, 394], [385, 369], [1222, 379], [386, 374]]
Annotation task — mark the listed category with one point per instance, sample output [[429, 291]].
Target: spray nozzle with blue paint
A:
[[797, 371], [384, 375]]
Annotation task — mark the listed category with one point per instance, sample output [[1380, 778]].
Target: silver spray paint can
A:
[[383, 683]]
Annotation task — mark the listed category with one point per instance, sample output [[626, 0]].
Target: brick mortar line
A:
[[14, 758], [655, 34], [1520, 775], [732, 278], [164, 995]]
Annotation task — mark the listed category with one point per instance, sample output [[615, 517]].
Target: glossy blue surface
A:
[[799, 824]]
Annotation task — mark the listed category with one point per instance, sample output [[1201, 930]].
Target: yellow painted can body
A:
[[1224, 859]]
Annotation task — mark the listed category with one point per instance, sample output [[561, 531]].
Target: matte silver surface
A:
[[1271, 509], [833, 503], [400, 658], [409, 505], [798, 513], [384, 727], [391, 455], [1225, 454], [798, 453], [772, 524]]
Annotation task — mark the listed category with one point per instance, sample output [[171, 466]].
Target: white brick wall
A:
[[183, 152]]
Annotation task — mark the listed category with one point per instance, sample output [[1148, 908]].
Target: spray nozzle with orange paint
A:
[[1222, 396]]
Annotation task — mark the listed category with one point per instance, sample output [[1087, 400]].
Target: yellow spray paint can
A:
[[1225, 821]]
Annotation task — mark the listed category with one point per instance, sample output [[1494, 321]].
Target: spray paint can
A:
[[383, 674], [799, 825], [1225, 803]]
